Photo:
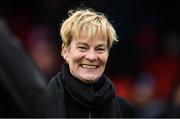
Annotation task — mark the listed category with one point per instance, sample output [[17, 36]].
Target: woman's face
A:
[[87, 58]]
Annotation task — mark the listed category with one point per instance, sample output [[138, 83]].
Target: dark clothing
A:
[[73, 98], [23, 89]]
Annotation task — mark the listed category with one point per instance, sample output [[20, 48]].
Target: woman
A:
[[82, 89]]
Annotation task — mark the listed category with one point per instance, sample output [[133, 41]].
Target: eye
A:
[[101, 50], [82, 48]]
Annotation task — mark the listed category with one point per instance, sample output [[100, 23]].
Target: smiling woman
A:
[[87, 59], [81, 89]]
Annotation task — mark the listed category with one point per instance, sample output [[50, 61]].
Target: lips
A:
[[87, 66]]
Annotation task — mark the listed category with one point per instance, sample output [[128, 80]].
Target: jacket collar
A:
[[89, 95]]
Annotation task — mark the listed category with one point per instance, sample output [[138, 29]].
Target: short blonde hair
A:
[[89, 21]]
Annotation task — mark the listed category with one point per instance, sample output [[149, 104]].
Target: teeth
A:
[[89, 66]]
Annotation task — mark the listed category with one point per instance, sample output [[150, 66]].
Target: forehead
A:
[[95, 39]]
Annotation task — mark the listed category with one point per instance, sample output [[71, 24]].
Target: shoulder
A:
[[55, 83], [126, 108]]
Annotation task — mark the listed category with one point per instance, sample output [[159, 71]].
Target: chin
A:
[[91, 80]]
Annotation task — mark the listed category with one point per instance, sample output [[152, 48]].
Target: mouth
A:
[[88, 66]]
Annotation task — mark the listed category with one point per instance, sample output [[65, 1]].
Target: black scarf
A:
[[100, 93]]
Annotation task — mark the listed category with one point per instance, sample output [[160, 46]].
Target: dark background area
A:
[[144, 64]]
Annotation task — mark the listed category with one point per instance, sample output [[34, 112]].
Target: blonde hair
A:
[[89, 21]]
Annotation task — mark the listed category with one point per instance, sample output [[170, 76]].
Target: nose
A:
[[91, 55]]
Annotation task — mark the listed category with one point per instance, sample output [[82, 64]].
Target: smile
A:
[[89, 66]]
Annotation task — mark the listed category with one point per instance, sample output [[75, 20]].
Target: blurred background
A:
[[144, 64]]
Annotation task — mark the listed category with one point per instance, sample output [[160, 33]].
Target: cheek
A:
[[69, 57], [74, 56], [104, 58]]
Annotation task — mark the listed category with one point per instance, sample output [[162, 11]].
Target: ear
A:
[[64, 53]]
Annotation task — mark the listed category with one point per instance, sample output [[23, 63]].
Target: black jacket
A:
[[73, 98], [23, 89]]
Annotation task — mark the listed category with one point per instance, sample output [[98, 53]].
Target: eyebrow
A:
[[102, 45], [99, 45], [81, 43]]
